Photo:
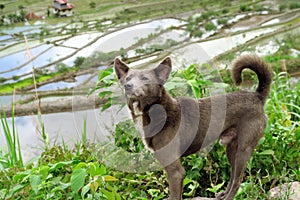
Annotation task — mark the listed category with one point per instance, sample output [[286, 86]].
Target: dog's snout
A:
[[128, 86]]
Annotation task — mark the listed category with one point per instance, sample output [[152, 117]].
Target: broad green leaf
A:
[[109, 178], [187, 181], [267, 152], [22, 175], [101, 171], [44, 171], [85, 190], [195, 87], [107, 105], [94, 186], [35, 181], [78, 179], [60, 187], [104, 73], [261, 141], [105, 94], [14, 190], [192, 188], [113, 192], [93, 169], [109, 195], [80, 165], [59, 165], [215, 188]]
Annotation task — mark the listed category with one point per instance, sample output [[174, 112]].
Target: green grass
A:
[[13, 156]]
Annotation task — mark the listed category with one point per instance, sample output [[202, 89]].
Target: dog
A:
[[175, 127]]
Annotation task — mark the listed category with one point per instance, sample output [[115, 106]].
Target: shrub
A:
[[294, 5], [210, 26], [282, 7], [92, 4], [222, 21], [225, 11], [244, 8], [61, 67], [79, 61]]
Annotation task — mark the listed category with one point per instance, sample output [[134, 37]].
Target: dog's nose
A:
[[127, 86]]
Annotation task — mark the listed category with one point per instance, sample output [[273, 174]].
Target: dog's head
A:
[[139, 84]]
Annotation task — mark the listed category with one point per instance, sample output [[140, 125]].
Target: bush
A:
[[92, 4], [282, 7], [244, 8], [225, 11], [79, 61], [210, 26], [222, 21], [294, 5], [61, 67]]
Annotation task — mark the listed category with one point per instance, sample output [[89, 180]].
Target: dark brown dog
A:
[[173, 128]]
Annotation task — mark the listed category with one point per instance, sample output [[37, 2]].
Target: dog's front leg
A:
[[175, 173]]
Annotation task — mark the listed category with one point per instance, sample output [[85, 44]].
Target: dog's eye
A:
[[128, 78], [145, 78]]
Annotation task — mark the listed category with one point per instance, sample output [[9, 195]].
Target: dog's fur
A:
[[173, 128]]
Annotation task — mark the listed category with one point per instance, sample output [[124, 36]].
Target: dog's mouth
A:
[[134, 94]]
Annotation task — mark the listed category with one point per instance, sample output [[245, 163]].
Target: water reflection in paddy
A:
[[66, 126]]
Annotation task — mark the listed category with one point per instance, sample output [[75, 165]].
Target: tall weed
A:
[[14, 155]]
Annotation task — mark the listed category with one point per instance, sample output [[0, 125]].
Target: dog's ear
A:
[[120, 68], [163, 70]]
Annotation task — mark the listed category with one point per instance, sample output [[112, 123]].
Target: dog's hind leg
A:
[[231, 149], [241, 159], [248, 135], [175, 173]]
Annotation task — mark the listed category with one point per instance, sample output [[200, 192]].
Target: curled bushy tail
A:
[[257, 65]]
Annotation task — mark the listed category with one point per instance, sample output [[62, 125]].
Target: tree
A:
[[2, 6], [92, 4], [21, 7]]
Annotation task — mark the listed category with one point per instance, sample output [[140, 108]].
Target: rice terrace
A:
[[65, 131]]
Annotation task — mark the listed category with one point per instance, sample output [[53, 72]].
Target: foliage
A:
[[126, 137], [92, 4], [13, 158], [210, 26], [294, 5], [65, 176], [61, 68], [222, 21], [79, 61], [244, 8], [76, 173], [2, 6], [15, 18], [106, 79]]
